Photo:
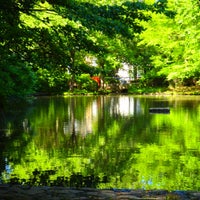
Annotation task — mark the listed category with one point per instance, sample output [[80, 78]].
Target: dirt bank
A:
[[17, 192]]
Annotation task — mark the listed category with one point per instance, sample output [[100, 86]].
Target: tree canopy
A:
[[175, 42], [46, 46]]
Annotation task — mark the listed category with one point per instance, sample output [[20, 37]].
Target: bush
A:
[[85, 82], [16, 79], [52, 82]]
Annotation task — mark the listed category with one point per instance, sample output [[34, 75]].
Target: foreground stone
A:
[[17, 192]]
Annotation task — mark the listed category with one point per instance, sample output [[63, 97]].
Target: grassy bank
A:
[[181, 90]]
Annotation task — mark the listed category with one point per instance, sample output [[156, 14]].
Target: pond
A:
[[102, 142]]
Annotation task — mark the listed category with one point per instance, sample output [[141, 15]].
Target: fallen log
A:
[[159, 110]]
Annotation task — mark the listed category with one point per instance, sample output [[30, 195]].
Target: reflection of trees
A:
[[14, 133], [72, 120], [125, 106], [74, 180], [121, 151]]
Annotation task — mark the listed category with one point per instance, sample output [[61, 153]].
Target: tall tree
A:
[[175, 41], [16, 77], [47, 37]]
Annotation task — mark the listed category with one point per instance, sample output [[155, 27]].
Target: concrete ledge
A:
[[18, 192]]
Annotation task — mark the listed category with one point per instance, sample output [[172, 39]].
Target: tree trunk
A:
[[72, 70]]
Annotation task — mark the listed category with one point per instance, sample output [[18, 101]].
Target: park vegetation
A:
[[54, 46]]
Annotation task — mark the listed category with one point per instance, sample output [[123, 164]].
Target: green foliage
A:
[[142, 89], [52, 81], [16, 78], [85, 82], [175, 41], [59, 35], [160, 38]]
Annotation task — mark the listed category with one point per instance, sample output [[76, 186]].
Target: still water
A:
[[102, 142]]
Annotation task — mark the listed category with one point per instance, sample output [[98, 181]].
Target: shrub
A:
[[85, 82]]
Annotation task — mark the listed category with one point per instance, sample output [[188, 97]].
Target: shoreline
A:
[[23, 192]]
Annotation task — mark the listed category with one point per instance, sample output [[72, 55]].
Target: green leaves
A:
[[60, 35], [16, 79], [175, 41]]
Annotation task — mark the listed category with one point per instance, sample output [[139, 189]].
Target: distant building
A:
[[128, 73]]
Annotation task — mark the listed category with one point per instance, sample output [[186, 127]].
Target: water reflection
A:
[[103, 142], [124, 106], [84, 125]]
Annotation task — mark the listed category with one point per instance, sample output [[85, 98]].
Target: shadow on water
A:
[[13, 127], [75, 180]]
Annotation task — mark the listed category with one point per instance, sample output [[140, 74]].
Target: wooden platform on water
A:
[[164, 110]]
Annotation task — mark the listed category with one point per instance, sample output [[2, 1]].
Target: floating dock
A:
[[160, 110]]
